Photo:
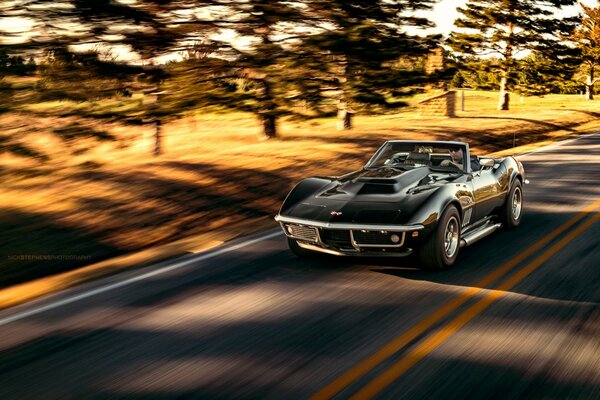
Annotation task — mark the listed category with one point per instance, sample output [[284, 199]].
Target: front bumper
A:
[[350, 239]]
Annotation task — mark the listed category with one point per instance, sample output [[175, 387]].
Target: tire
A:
[[299, 251], [512, 210], [440, 250]]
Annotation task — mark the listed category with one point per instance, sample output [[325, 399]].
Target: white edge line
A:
[[116, 285]]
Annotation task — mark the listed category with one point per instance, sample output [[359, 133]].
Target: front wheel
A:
[[512, 211], [441, 248]]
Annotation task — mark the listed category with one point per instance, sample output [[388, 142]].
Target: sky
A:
[[445, 12]]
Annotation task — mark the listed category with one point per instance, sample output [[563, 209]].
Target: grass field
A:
[[103, 194]]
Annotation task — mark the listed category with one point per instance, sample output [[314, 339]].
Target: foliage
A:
[[266, 57], [65, 75], [587, 35], [476, 73], [587, 39], [15, 64], [538, 75], [507, 29], [358, 60]]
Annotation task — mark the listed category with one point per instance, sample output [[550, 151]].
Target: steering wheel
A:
[[448, 163]]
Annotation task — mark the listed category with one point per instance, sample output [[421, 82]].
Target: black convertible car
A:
[[432, 197]]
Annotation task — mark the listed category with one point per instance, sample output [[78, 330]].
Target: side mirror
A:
[[487, 163]]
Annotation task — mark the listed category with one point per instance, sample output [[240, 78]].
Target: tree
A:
[[258, 56], [538, 75], [353, 55], [66, 75], [303, 54], [280, 55], [15, 65], [507, 28], [477, 73], [247, 70], [77, 37], [243, 40], [587, 39], [11, 66]]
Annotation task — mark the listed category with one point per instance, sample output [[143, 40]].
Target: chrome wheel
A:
[[517, 203], [451, 237]]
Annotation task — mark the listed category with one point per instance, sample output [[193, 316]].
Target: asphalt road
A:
[[518, 317]]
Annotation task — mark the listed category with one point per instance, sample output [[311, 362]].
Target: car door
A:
[[486, 193]]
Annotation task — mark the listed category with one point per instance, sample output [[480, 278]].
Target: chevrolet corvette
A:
[[428, 197]]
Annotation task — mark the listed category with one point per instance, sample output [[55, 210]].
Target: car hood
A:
[[382, 195]]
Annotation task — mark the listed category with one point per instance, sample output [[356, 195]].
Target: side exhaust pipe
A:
[[477, 234]]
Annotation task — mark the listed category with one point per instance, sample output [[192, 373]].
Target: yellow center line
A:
[[402, 340], [440, 336]]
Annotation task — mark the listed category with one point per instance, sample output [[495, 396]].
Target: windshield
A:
[[408, 155]]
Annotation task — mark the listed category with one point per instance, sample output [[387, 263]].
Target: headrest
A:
[[418, 157]]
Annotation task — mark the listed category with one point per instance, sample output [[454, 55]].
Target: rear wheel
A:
[[512, 211], [441, 248], [299, 251]]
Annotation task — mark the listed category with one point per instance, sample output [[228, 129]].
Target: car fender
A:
[[304, 189], [428, 214], [514, 170]]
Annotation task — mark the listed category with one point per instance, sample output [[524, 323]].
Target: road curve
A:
[[518, 317]]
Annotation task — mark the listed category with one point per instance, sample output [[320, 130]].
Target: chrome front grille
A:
[[366, 238], [342, 238], [336, 238], [302, 232]]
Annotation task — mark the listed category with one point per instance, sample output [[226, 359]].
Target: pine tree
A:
[[247, 71], [260, 56], [65, 75], [587, 38], [508, 28], [353, 56], [538, 75], [74, 34], [252, 57]]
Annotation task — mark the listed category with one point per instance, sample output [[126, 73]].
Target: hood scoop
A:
[[385, 183], [380, 181], [379, 188], [381, 174], [389, 180]]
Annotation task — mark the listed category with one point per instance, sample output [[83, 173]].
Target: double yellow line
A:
[[442, 334]]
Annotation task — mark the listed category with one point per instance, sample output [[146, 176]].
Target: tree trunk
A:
[[589, 91], [589, 85], [503, 101], [157, 137], [344, 120], [344, 115], [269, 125], [267, 112]]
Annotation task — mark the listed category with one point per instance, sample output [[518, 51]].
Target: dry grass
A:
[[116, 198]]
